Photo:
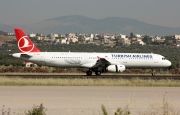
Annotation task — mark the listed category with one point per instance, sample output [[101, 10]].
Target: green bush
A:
[[37, 110], [119, 111]]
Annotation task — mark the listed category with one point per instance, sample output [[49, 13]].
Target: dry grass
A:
[[3, 39], [164, 109], [5, 81]]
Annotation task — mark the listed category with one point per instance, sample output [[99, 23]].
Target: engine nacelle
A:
[[115, 68]]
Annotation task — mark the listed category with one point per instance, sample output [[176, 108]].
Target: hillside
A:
[[116, 25], [3, 39], [82, 24], [6, 28]]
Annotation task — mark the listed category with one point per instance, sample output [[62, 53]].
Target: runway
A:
[[82, 75], [87, 100]]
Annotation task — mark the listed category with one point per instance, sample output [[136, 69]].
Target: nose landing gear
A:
[[153, 74]]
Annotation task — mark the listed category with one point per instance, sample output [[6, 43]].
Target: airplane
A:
[[95, 62]]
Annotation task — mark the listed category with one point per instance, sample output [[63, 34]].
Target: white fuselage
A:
[[78, 59]]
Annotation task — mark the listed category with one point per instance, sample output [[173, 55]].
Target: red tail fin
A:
[[24, 42]]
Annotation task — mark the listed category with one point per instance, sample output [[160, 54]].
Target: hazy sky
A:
[[158, 12]]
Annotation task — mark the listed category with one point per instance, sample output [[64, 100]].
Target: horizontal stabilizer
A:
[[25, 56]]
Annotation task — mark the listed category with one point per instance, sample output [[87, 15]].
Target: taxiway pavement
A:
[[87, 100]]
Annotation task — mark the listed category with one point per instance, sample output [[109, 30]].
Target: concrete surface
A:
[[87, 100]]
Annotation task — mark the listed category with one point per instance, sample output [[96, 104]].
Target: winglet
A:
[[24, 42]]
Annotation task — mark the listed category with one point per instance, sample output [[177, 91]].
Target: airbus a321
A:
[[95, 62]]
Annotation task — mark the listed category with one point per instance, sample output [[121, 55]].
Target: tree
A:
[[147, 40], [131, 36]]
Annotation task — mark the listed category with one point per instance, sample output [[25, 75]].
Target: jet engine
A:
[[115, 68]]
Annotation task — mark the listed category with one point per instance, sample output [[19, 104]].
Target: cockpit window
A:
[[163, 58]]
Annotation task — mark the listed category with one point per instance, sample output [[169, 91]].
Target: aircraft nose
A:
[[168, 63]]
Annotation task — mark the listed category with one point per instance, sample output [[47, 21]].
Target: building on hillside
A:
[[64, 41], [71, 35], [32, 35], [87, 38], [57, 41], [122, 36], [177, 37], [52, 35], [74, 40], [62, 35], [125, 41], [10, 34], [106, 41], [139, 42], [161, 40], [138, 36], [39, 38], [178, 43], [91, 36]]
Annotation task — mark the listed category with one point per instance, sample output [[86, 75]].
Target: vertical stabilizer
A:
[[24, 42]]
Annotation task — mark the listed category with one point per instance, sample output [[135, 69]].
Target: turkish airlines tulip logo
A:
[[25, 45]]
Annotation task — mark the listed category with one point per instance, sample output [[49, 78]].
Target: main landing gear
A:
[[153, 74], [89, 73], [98, 73]]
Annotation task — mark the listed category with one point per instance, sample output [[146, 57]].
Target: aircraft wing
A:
[[104, 62]]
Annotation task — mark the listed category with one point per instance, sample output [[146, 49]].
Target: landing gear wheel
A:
[[153, 74], [89, 73], [98, 73]]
